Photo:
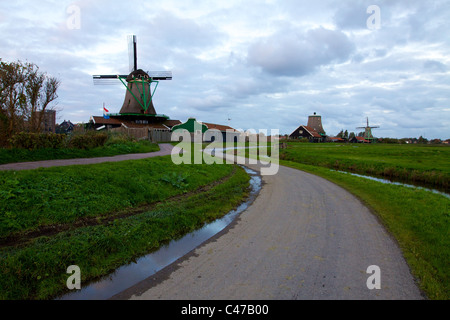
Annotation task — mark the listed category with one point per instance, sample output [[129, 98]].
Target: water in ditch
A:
[[131, 274], [396, 183]]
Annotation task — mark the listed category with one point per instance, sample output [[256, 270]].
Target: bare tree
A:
[[41, 91], [12, 91], [25, 95]]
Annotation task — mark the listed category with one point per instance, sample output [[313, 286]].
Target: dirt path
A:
[[303, 238], [165, 149]]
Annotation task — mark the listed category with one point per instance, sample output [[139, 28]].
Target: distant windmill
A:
[[139, 94], [368, 131]]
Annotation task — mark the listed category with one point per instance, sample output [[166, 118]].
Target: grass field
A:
[[427, 165], [102, 216]]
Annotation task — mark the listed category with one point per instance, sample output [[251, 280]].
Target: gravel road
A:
[[303, 238]]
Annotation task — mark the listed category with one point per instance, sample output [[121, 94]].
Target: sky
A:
[[248, 64]]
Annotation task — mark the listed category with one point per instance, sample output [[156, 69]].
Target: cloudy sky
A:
[[262, 64]]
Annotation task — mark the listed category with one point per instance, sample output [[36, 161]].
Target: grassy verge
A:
[[38, 270], [109, 150], [418, 219], [32, 199]]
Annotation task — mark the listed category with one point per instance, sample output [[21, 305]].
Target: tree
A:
[[351, 136], [340, 134], [422, 140], [346, 135], [25, 95], [12, 96]]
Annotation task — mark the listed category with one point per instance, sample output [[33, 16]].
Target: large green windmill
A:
[[138, 84]]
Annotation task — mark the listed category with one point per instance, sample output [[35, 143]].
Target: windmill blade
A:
[[114, 79], [160, 75], [107, 80], [132, 52]]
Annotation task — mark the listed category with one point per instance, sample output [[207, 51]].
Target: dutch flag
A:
[[105, 111]]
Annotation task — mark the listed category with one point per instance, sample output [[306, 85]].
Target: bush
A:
[[87, 140], [119, 138], [32, 141]]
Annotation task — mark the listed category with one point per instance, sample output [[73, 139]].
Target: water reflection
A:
[[396, 183]]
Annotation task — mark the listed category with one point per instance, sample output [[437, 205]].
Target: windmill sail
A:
[[112, 78], [132, 53]]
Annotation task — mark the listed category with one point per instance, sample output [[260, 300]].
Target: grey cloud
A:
[[351, 15], [289, 53], [177, 32], [434, 65]]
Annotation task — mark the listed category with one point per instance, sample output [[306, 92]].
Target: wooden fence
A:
[[153, 135], [137, 133], [156, 136]]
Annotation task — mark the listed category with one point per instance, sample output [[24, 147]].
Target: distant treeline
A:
[[420, 140]]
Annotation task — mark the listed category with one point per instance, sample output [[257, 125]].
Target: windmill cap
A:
[[139, 74]]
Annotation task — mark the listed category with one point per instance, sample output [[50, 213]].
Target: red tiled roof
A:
[[171, 123], [361, 139], [165, 125], [218, 127], [128, 123], [103, 121], [314, 133]]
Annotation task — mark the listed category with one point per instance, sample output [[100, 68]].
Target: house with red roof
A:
[[307, 132], [314, 131], [356, 139]]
